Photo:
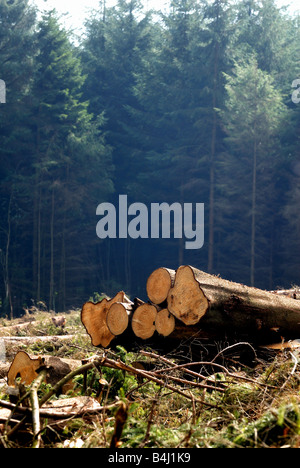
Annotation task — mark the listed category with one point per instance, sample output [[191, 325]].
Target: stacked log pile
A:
[[191, 303]]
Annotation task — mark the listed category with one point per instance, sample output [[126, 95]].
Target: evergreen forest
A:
[[199, 103]]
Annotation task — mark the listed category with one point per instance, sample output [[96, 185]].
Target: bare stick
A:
[[36, 424]]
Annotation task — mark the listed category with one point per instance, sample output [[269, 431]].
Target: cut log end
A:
[[186, 300], [26, 368], [23, 367], [93, 317], [159, 283], [143, 321], [118, 317], [164, 322]]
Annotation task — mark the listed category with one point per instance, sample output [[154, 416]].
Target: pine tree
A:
[[252, 114], [289, 260], [113, 56], [70, 152], [266, 30], [186, 77], [17, 49], [217, 34]]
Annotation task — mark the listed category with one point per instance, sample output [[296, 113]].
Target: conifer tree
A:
[[113, 56], [253, 112], [17, 49], [186, 77], [70, 153]]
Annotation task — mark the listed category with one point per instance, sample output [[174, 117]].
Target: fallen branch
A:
[[58, 321], [185, 368], [34, 339], [36, 424], [18, 326], [57, 409], [106, 362]]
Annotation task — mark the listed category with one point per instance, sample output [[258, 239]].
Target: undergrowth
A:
[[250, 407]]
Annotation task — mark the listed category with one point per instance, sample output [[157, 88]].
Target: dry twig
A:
[[36, 424]]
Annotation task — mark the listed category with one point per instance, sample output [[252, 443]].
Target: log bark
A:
[[93, 317], [294, 293], [170, 327], [159, 283], [217, 304]]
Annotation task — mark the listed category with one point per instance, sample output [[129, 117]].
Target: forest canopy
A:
[[196, 105]]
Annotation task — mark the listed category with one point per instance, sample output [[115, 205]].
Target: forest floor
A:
[[147, 399]]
